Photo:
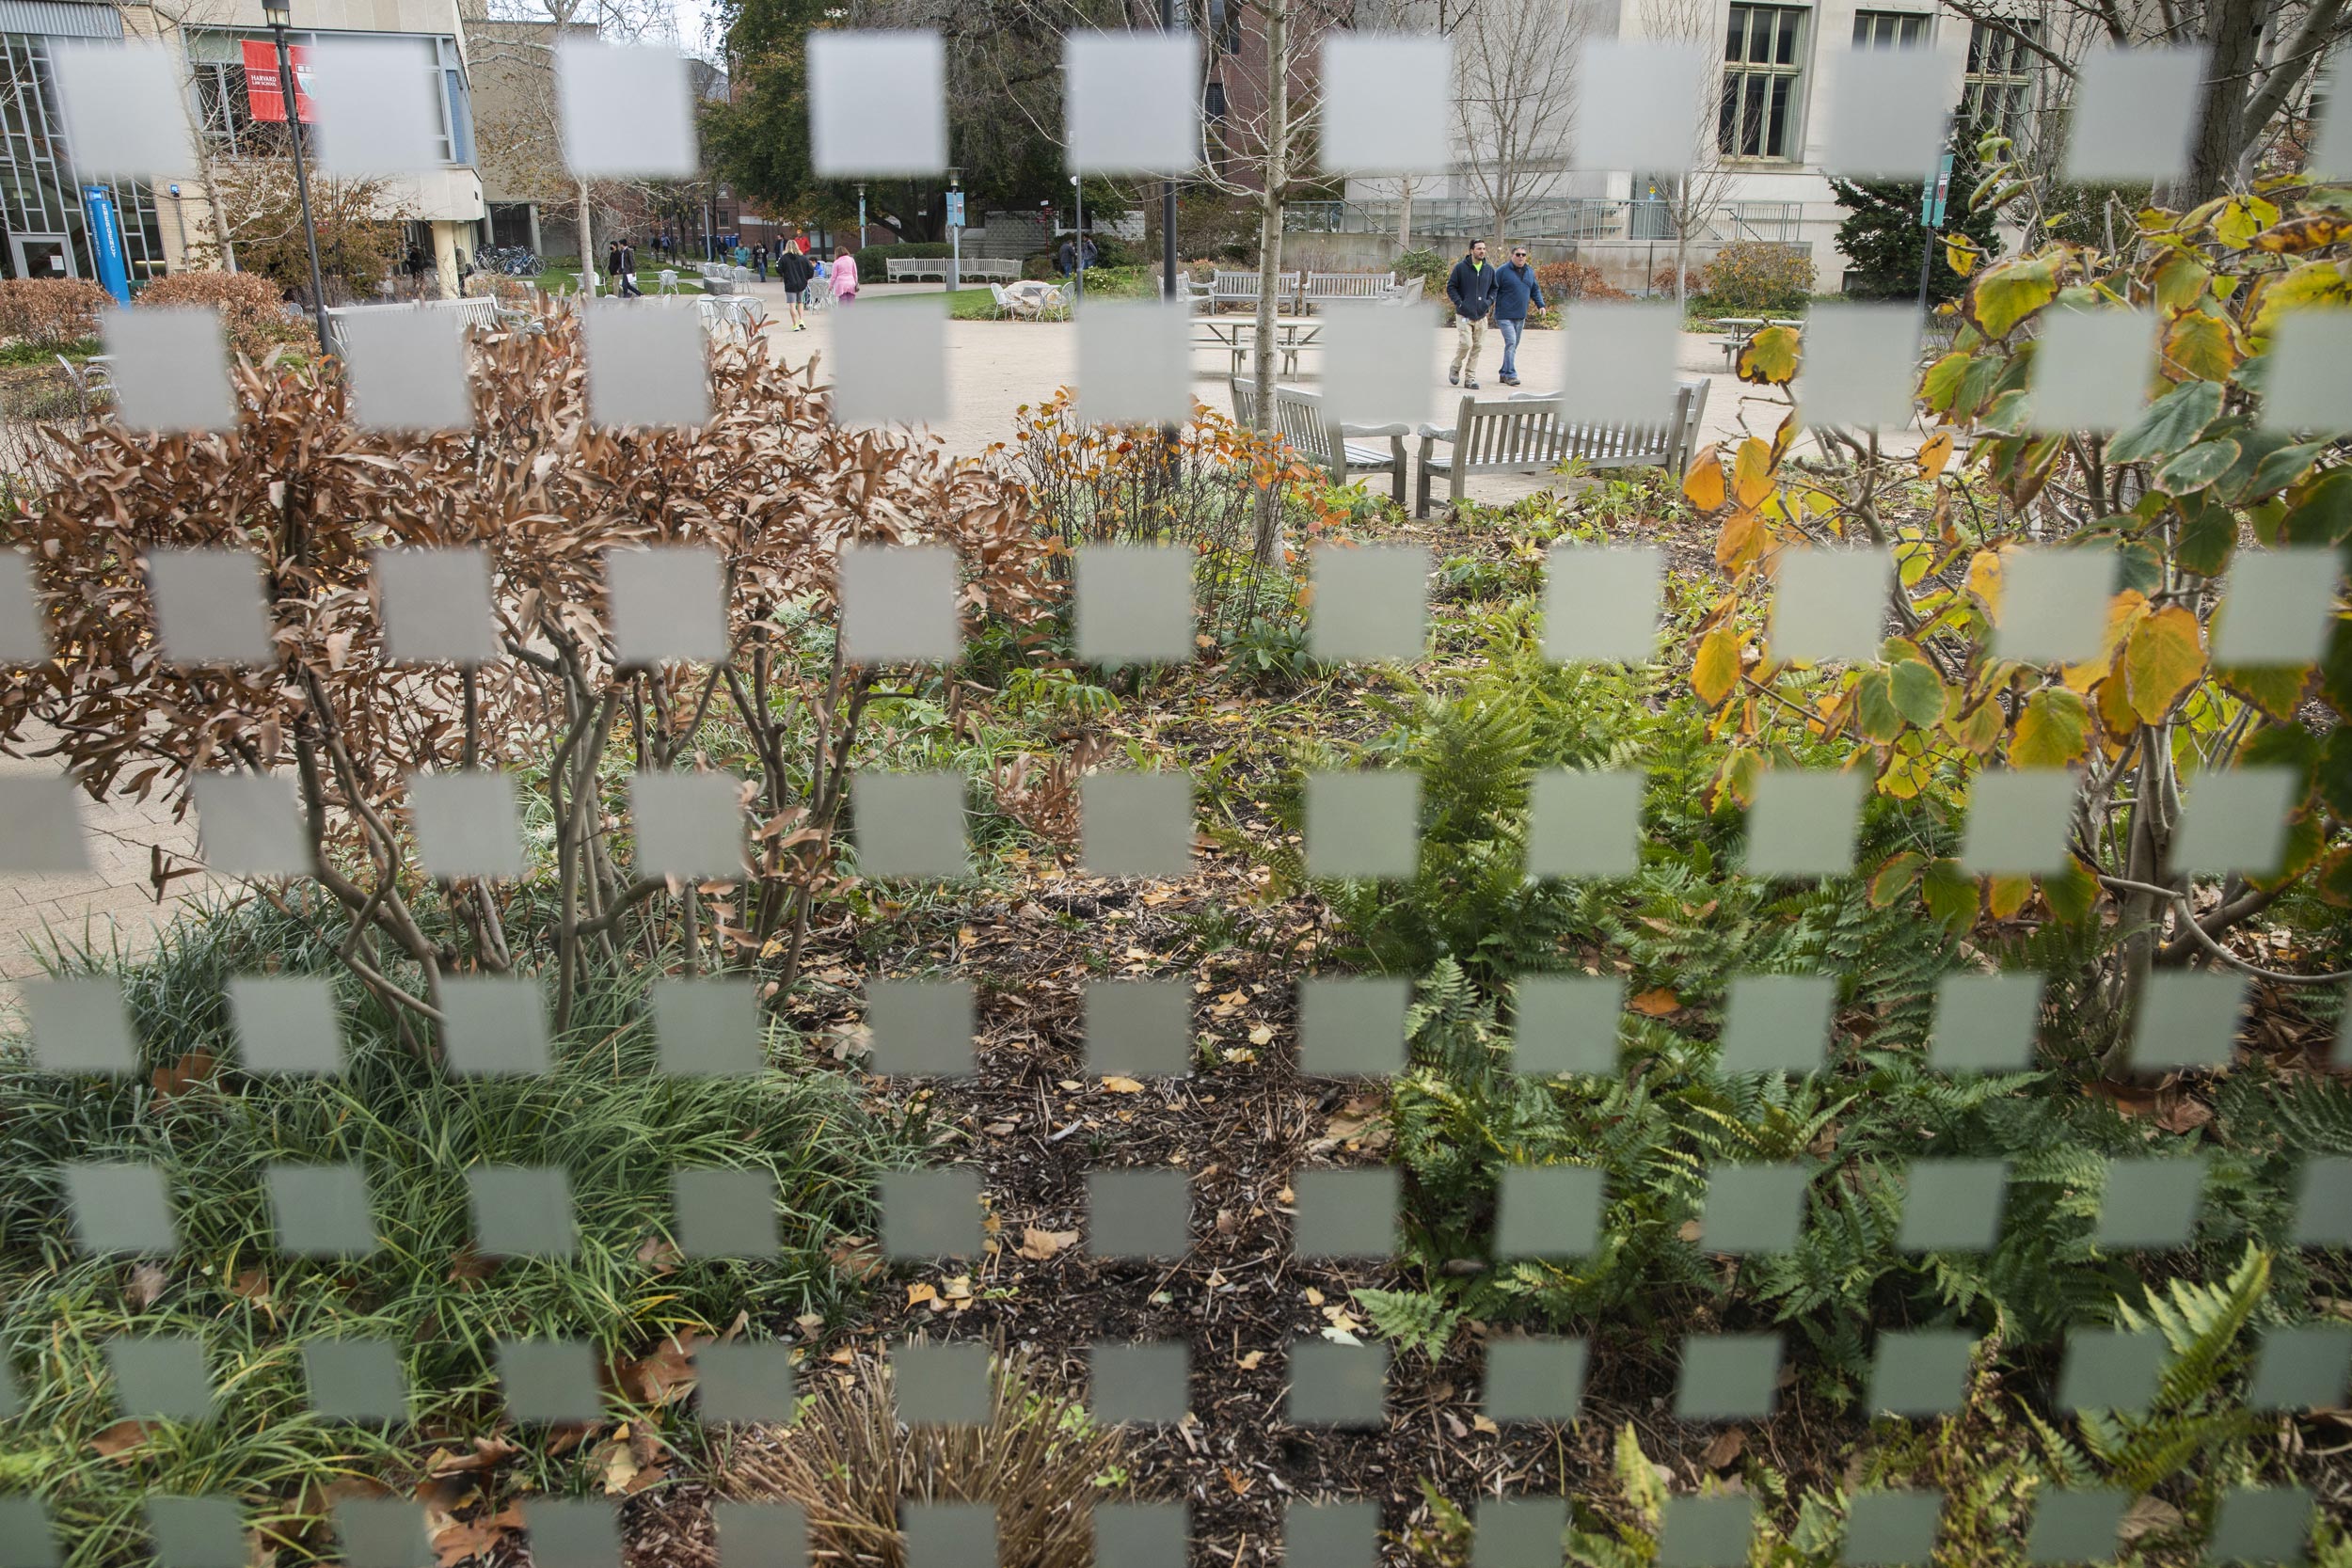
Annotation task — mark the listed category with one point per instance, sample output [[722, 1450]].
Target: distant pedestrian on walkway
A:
[[1516, 289], [843, 277], [627, 272], [613, 265], [1472, 288], [794, 270]]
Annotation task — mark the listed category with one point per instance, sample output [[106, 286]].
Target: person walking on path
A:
[[793, 269], [627, 272], [1472, 288], [759, 262], [1516, 289], [613, 265], [843, 277]]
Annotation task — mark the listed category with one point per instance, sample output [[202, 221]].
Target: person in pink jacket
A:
[[844, 278]]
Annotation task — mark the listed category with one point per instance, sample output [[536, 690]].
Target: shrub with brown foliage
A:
[[850, 1464], [1662, 281], [253, 315], [1759, 278], [50, 312], [769, 483], [1566, 281]]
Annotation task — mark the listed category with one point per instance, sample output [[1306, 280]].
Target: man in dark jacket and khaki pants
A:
[[1472, 288]]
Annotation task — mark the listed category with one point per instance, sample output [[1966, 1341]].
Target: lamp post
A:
[[279, 13], [1078, 242], [861, 214]]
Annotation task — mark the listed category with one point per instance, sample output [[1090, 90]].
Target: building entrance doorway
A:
[[41, 255]]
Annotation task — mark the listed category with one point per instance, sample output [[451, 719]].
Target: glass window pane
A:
[[1732, 39], [1727, 124], [1776, 124], [1789, 22], [1752, 120]]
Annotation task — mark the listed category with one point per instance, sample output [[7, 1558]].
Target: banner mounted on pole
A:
[[264, 92]]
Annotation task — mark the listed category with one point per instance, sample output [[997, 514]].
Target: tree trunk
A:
[[1405, 217], [587, 248], [2233, 33]]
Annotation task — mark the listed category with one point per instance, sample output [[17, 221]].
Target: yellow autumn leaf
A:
[[2164, 659], [2201, 347], [1935, 454], [1123, 1086], [1703, 486], [2006, 896], [1715, 670], [1752, 473], [1984, 580], [1741, 541]]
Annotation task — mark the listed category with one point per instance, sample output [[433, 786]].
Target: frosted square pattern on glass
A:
[[41, 826], [2150, 1204], [898, 603], [523, 1211], [645, 366], [1706, 1532], [1830, 604], [2054, 604], [709, 1028], [2133, 114], [80, 1023], [1363, 823], [119, 1208], [745, 1381], [1330, 1535], [909, 825], [2323, 1214], [1134, 604], [468, 823], [161, 1377], [1370, 603], [1336, 1385], [1641, 105], [1345, 1214], [2018, 822], [1953, 1205], [356, 1380], [1145, 1384], [1601, 602], [1138, 1028], [852, 73], [1386, 105], [1803, 824], [654, 138], [1136, 824], [437, 604], [1140, 1535], [170, 369], [494, 1027], [572, 1532], [1860, 364], [890, 367], [1547, 1211], [1351, 1025], [2276, 606], [1922, 1373], [2331, 151], [666, 603], [1566, 1024], [1131, 103], [209, 606], [2109, 1368], [688, 825], [1584, 824], [949, 1535], [550, 1381], [726, 1214], [2309, 390], [2262, 1525], [1139, 1213], [1778, 1023], [1534, 1378], [319, 1211], [250, 824], [381, 1532], [2092, 369], [1135, 362], [2306, 1367], [1887, 119], [941, 1384], [23, 638], [2188, 1019], [1621, 364], [1888, 1528], [761, 1534], [1519, 1533], [1375, 368], [1751, 1209], [407, 371], [1727, 1377], [930, 1214], [124, 106], [921, 1028], [2235, 820], [379, 106]]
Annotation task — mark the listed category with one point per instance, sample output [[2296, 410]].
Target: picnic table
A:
[[1238, 335], [1741, 330]]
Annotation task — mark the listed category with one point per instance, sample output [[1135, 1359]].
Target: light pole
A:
[[1167, 192], [861, 214], [1078, 242], [277, 13]]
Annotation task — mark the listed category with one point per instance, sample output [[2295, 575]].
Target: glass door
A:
[[41, 255]]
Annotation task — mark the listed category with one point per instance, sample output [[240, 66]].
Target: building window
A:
[[2000, 84], [1889, 29], [46, 226], [1763, 63], [218, 62]]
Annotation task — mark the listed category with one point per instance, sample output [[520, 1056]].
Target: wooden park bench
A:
[[900, 268], [1525, 435], [1241, 288], [1320, 286], [1343, 452]]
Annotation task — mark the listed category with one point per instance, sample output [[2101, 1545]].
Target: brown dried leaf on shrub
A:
[[120, 1438]]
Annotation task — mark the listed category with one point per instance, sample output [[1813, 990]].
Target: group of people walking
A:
[[800, 274], [1481, 292]]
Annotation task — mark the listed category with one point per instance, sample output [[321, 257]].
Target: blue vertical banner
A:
[[105, 241]]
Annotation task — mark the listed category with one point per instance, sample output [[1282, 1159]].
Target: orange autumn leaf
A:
[[1935, 453], [1655, 1004], [1703, 486]]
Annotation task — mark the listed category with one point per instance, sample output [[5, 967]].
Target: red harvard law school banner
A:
[[262, 89]]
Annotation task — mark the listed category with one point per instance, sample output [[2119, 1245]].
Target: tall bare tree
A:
[[1515, 100], [1698, 191]]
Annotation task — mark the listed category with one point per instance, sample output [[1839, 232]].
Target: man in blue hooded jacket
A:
[[1472, 288], [1516, 289]]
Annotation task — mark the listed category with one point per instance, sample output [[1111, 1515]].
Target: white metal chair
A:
[[667, 282]]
